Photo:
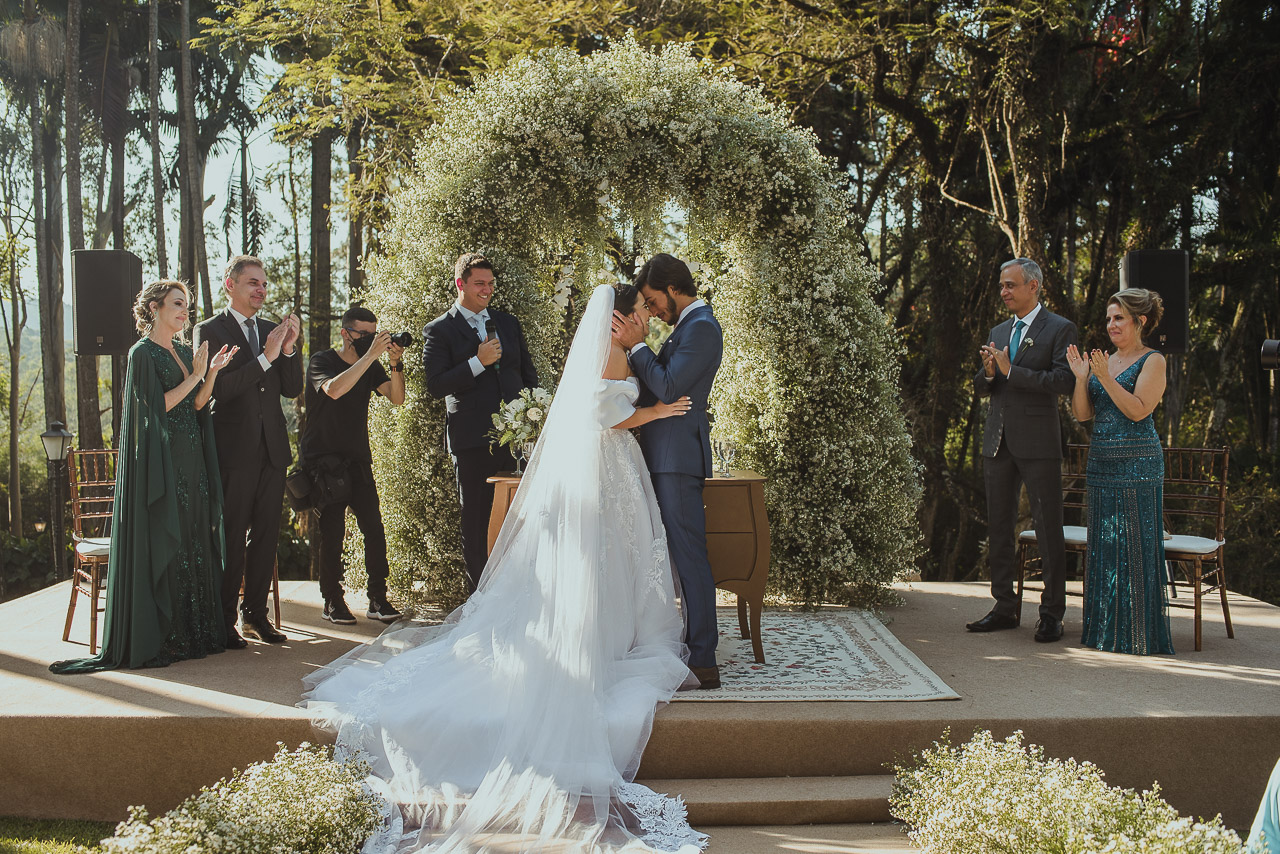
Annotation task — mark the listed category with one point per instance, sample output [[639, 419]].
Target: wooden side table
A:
[[737, 540]]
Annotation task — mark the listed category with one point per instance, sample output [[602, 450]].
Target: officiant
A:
[[475, 358]]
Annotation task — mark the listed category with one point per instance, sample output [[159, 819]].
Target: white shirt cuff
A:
[[636, 348], [264, 361], [477, 368]]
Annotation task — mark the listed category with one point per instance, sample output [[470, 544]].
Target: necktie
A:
[[478, 321], [1016, 341], [251, 333]]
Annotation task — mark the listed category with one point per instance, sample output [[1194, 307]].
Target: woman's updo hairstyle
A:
[[1138, 303], [144, 316], [625, 298]]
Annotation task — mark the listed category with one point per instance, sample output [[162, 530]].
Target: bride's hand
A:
[[679, 407]]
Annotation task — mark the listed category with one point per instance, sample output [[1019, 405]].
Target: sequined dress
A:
[[165, 570], [1126, 608]]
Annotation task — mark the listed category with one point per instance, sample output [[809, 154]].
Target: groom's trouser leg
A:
[[685, 518]]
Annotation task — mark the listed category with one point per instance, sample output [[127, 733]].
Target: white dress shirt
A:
[[477, 321]]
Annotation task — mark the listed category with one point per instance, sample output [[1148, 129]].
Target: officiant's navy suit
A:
[[678, 453], [449, 343]]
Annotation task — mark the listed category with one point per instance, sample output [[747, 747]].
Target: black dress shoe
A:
[[993, 622], [1048, 630], [234, 641], [260, 628], [708, 677]]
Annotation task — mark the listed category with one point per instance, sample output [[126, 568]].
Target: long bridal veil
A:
[[518, 724]]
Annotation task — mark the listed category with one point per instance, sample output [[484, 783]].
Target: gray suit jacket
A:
[[686, 365], [1024, 405]]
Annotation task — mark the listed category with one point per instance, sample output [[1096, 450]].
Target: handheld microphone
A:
[[491, 331]]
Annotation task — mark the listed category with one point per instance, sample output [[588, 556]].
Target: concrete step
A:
[[781, 800], [816, 839]]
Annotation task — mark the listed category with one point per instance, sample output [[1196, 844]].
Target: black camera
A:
[[1270, 357], [401, 339]]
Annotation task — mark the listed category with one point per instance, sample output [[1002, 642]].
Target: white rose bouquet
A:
[[519, 421]]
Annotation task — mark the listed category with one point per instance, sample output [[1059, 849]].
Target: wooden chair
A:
[[1074, 465], [1195, 515], [92, 475]]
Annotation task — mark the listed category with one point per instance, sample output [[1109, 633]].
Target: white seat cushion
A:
[[1182, 544], [1074, 535], [94, 547]]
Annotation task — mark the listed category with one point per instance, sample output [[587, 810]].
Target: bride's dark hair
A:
[[624, 298]]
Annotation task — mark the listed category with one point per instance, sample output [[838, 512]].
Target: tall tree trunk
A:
[[153, 115], [321, 304], [17, 311], [50, 290], [89, 415], [355, 223], [194, 202]]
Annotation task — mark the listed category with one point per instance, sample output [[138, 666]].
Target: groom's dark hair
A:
[[665, 272]]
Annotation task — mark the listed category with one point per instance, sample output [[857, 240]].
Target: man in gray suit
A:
[[678, 450], [1024, 369]]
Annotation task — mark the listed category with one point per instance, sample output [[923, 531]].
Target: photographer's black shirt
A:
[[338, 426]]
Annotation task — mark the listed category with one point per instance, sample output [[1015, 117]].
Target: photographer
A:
[[335, 449]]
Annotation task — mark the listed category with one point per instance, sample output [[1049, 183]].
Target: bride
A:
[[518, 724]]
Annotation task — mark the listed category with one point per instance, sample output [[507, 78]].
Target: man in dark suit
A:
[[678, 453], [476, 359], [253, 445], [1024, 369]]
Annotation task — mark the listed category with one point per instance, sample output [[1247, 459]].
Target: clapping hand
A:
[[292, 334], [222, 358], [1098, 360], [200, 361], [994, 359], [1079, 364]]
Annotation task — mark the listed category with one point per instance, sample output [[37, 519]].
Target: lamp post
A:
[[57, 442]]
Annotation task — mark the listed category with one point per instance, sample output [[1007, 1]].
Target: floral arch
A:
[[539, 166]]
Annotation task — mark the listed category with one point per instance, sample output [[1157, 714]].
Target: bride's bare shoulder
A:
[[617, 368]]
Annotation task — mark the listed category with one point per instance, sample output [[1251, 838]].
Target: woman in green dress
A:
[[166, 563], [1125, 604]]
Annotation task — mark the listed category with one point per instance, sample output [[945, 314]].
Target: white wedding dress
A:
[[518, 724]]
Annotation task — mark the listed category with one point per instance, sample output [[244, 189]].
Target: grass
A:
[[51, 836]]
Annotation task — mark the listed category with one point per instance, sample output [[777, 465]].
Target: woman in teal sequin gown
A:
[[165, 570], [1125, 601]]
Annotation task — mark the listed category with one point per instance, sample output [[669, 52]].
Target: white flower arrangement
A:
[[300, 802], [989, 796], [519, 421], [540, 166]]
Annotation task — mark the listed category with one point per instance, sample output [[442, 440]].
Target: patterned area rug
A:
[[833, 654]]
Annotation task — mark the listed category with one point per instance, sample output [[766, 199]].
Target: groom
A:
[[678, 450]]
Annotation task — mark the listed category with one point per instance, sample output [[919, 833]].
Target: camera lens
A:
[[401, 339], [1270, 354]]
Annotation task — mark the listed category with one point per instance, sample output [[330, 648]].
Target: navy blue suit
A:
[[678, 453]]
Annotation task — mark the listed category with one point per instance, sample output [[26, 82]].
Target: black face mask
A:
[[362, 344]]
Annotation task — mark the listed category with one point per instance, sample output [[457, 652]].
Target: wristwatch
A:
[[396, 368]]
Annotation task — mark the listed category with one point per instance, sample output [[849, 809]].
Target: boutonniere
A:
[[1028, 343]]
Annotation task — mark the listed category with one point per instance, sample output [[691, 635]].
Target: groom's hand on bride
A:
[[627, 330]]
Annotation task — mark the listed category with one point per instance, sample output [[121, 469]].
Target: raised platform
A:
[[1206, 725]]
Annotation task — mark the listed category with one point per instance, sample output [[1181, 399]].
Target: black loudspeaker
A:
[[1168, 273], [104, 283]]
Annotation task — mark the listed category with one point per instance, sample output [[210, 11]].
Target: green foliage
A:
[[540, 166], [50, 836], [301, 802], [989, 797]]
